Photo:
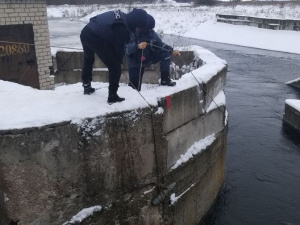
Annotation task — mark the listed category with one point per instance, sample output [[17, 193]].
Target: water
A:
[[262, 184]]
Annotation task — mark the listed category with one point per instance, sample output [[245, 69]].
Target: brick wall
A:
[[32, 12]]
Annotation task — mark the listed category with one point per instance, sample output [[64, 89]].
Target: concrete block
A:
[[197, 182], [74, 60], [122, 159], [73, 77], [181, 108], [196, 167], [49, 174], [181, 139], [213, 87], [41, 174], [291, 118], [294, 83], [194, 204]]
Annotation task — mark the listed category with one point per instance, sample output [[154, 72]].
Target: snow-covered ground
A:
[[200, 22], [26, 107]]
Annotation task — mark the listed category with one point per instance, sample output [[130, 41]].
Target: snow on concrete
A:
[[293, 81], [218, 101], [83, 214], [148, 191], [28, 107], [173, 197], [195, 149], [293, 103]]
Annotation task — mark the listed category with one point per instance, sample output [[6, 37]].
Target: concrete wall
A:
[[291, 118], [32, 12], [274, 24], [120, 161], [68, 67]]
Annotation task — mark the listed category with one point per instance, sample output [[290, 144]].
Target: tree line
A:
[[100, 2], [106, 2]]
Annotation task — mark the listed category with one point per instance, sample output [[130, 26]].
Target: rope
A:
[[153, 133], [140, 74], [24, 74], [203, 89]]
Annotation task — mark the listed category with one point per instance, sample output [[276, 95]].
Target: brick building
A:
[[25, 55]]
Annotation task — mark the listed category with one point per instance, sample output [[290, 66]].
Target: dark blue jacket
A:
[[135, 54], [112, 27], [102, 24]]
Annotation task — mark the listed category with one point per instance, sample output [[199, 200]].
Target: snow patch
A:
[[173, 197], [293, 81], [146, 192], [160, 110], [6, 199], [90, 128], [226, 117], [83, 214], [196, 148], [218, 101], [293, 103]]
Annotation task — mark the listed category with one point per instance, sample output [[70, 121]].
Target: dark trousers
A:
[[160, 56], [164, 58], [135, 77], [93, 44]]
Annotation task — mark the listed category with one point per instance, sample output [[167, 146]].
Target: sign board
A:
[[18, 61]]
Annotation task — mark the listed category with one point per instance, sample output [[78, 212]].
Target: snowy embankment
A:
[[200, 22], [27, 107]]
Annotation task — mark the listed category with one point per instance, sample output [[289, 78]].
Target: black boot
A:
[[87, 89], [113, 97], [168, 83], [165, 79]]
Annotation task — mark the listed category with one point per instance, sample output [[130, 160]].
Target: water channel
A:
[[262, 185]]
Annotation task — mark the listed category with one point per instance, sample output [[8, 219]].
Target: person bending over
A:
[[106, 35], [146, 48]]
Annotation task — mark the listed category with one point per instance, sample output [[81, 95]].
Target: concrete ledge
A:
[[267, 23], [213, 87], [68, 67], [292, 115], [294, 83]]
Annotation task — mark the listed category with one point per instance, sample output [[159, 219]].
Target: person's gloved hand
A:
[[142, 45], [175, 53]]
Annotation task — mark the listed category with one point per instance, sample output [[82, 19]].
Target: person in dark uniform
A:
[[146, 48], [106, 35]]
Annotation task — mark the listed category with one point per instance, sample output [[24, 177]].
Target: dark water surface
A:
[[262, 184]]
